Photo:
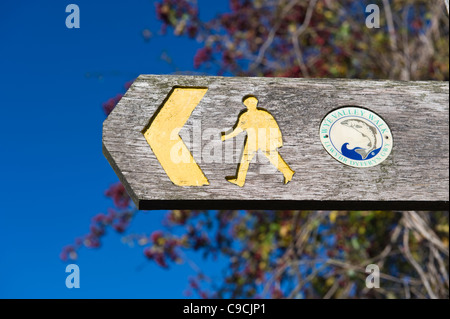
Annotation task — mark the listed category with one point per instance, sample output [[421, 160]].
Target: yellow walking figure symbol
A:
[[263, 134]]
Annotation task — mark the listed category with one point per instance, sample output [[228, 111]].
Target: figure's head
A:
[[250, 101]]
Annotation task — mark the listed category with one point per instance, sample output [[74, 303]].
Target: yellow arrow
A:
[[163, 136]]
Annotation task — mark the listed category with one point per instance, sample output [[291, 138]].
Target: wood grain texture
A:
[[415, 176]]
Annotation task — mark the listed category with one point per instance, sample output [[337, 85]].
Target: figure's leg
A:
[[276, 159], [247, 157]]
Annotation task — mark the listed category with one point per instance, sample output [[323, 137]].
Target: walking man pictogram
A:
[[263, 134]]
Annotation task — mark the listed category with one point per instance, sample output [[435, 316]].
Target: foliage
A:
[[317, 38], [303, 254]]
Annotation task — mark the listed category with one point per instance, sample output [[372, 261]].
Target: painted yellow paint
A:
[[163, 137], [263, 134]]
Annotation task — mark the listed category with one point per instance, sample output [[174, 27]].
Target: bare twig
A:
[[272, 33], [332, 290], [391, 26], [296, 35], [415, 264], [415, 222]]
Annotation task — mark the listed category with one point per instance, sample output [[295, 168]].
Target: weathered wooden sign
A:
[[190, 142]]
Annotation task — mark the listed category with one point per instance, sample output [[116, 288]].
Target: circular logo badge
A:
[[356, 137]]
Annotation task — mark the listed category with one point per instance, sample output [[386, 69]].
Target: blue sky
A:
[[53, 82]]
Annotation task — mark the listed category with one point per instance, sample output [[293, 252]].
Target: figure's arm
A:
[[238, 130], [233, 134]]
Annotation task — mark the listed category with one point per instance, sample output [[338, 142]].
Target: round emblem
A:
[[356, 136]]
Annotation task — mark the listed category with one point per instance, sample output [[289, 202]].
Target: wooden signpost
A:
[[185, 142]]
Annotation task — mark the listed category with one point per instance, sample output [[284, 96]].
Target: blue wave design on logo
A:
[[352, 154]]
